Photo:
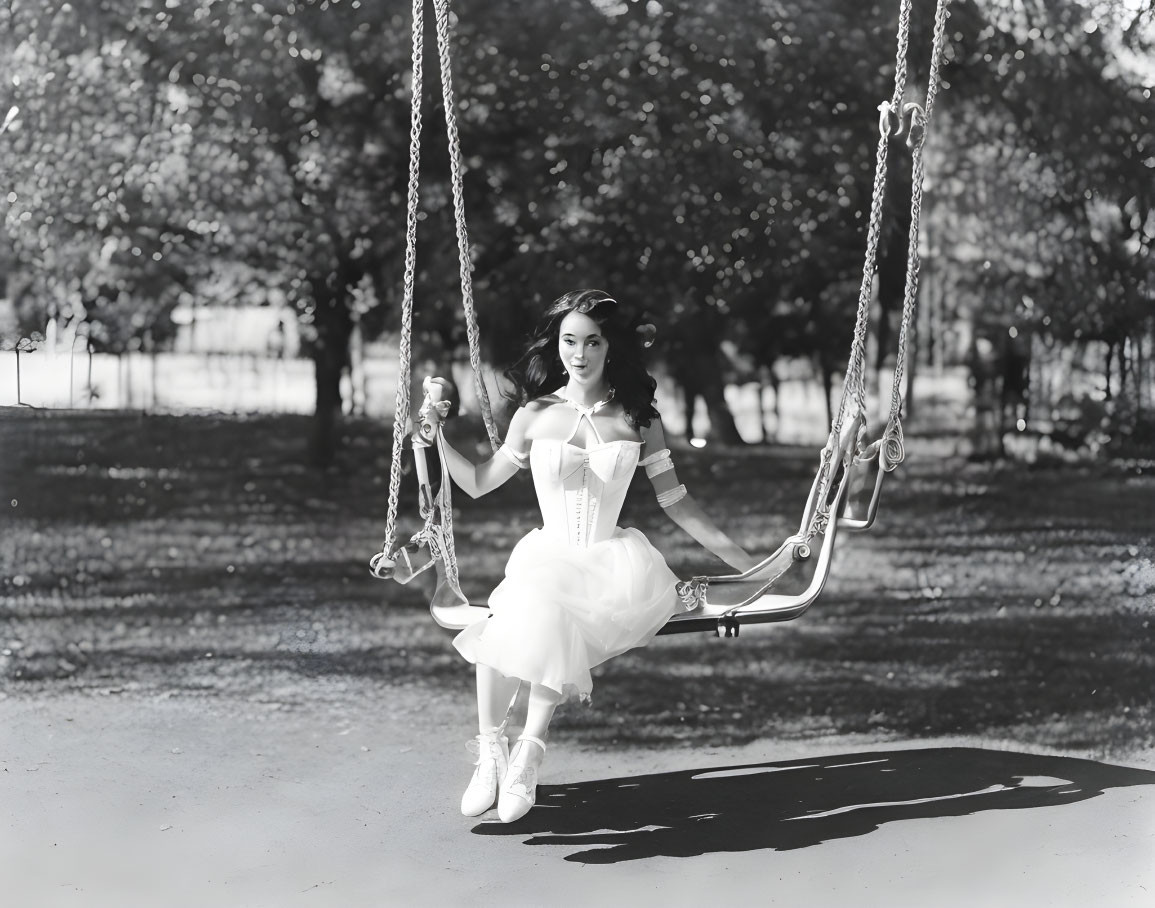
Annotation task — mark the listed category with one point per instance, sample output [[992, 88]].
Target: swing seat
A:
[[862, 494], [783, 585], [723, 597], [457, 616], [798, 588], [797, 574], [868, 468], [449, 606]]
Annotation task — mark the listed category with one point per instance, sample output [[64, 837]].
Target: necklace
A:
[[587, 411]]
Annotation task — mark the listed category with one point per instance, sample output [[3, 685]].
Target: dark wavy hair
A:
[[539, 371]]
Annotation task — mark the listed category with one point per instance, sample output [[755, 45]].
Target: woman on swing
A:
[[580, 589]]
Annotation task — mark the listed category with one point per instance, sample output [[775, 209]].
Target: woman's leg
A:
[[542, 702], [495, 694], [519, 790]]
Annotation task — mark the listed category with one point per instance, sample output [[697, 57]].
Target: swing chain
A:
[[465, 265], [901, 46], [404, 365], [444, 508], [854, 385], [402, 402], [920, 121], [855, 380], [892, 115]]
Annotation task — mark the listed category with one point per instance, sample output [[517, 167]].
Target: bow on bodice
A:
[[581, 490], [609, 461]]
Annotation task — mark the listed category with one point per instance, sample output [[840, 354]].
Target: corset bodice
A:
[[581, 490]]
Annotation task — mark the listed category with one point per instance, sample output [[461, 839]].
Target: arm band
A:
[[671, 496], [521, 461], [658, 462]]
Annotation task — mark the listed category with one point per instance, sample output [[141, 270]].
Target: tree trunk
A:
[[330, 358], [892, 251], [1140, 369], [777, 384], [827, 370], [708, 386], [768, 435], [1107, 368], [327, 375], [696, 365], [721, 419], [1124, 361], [689, 399]]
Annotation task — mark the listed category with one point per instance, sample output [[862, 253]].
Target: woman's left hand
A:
[[433, 411]]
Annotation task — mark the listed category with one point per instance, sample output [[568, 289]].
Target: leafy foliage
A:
[[710, 162]]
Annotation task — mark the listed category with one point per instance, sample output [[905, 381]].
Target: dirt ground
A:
[[206, 700]]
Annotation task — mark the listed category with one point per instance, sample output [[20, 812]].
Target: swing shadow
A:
[[799, 803]]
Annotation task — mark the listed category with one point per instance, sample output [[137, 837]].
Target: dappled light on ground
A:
[[196, 557]]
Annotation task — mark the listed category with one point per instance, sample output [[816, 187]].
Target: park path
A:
[[124, 800]]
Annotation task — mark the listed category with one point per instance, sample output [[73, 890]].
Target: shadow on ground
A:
[[799, 803]]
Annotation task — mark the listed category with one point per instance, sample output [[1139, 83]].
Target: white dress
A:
[[580, 589]]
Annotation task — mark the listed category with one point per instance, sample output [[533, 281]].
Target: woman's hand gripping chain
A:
[[434, 409]]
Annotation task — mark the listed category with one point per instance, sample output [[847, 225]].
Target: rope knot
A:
[[692, 592], [893, 452]]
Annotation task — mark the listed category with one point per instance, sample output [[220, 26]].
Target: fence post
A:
[[72, 370], [25, 345]]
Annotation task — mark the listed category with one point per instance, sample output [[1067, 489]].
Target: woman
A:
[[580, 589]]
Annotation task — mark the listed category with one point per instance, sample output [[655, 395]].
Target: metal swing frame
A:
[[847, 488]]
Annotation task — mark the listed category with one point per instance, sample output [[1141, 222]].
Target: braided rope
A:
[[457, 181], [938, 46], [405, 354], [856, 370], [900, 54], [445, 510], [854, 382], [920, 123], [441, 12]]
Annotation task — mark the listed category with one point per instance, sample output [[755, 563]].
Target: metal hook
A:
[[887, 112], [917, 131]]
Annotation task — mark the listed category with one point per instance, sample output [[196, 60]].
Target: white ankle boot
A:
[[492, 766], [519, 790]]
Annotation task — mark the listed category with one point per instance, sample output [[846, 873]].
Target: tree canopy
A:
[[710, 161]]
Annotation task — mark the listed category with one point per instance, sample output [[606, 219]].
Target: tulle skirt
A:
[[562, 609]]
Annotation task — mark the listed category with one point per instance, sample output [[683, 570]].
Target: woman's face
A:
[[583, 349]]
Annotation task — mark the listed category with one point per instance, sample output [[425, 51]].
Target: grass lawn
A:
[[197, 557]]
